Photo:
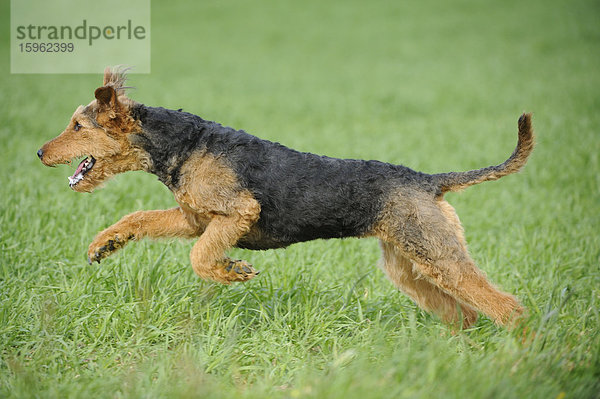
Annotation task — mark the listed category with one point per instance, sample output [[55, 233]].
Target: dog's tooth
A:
[[75, 180]]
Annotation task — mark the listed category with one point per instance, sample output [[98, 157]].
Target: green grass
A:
[[437, 86]]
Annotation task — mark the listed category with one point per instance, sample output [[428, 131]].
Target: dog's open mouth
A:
[[84, 166]]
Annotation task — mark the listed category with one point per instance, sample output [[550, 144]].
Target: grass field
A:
[[434, 85]]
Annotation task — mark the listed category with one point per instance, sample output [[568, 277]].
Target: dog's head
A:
[[98, 134]]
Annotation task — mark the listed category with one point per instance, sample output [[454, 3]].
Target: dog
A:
[[236, 190]]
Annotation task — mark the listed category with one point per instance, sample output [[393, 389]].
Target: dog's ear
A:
[[106, 96], [109, 106]]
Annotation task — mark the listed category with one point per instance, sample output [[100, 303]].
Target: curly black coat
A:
[[303, 196]]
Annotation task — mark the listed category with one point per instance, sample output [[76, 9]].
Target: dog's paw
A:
[[237, 270], [103, 246]]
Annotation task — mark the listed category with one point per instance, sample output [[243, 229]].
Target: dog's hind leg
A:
[[400, 271], [137, 225], [459, 277], [221, 233], [427, 232]]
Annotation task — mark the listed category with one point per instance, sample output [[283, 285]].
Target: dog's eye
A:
[[77, 126]]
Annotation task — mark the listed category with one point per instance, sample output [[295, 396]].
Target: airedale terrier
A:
[[236, 190]]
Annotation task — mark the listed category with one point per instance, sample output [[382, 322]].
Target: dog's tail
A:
[[455, 181]]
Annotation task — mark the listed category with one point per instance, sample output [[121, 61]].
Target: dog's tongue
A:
[[79, 168]]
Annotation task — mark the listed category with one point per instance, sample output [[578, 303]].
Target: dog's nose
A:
[[40, 153]]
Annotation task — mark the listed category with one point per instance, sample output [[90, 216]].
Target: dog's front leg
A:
[[137, 225], [222, 232]]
